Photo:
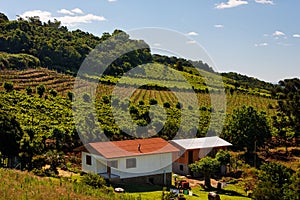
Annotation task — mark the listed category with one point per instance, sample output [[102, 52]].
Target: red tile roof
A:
[[127, 148]]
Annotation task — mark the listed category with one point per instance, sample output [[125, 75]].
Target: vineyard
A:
[[63, 83]]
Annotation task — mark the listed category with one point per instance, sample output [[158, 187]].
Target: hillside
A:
[[63, 83], [29, 43], [24, 185]]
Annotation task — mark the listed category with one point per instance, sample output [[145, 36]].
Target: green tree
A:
[[10, 135], [30, 146], [295, 186], [224, 158], [28, 90], [8, 86], [70, 95], [288, 92], [53, 92], [40, 89], [54, 159], [179, 66], [208, 166], [247, 128], [274, 180], [284, 130], [152, 101], [167, 105]]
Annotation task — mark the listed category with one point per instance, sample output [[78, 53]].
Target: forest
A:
[[38, 67]]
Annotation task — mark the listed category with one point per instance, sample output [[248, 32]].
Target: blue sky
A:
[[259, 38]]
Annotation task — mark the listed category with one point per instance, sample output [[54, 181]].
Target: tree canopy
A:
[[247, 128], [10, 134], [208, 166]]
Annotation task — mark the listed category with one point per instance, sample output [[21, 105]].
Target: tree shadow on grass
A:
[[230, 193], [224, 192]]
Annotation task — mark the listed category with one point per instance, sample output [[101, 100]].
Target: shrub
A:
[[152, 101], [53, 92], [8, 86], [28, 90], [40, 89], [70, 95], [39, 172], [178, 105], [167, 105], [86, 98], [93, 180], [105, 99]]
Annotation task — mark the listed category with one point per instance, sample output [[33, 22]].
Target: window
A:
[[88, 160], [181, 167], [131, 163], [113, 163]]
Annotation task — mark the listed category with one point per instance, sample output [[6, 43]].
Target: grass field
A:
[[155, 192], [23, 185]]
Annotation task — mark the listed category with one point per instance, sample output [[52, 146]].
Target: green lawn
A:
[[231, 192]]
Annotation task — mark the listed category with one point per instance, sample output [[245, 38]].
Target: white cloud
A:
[[296, 36], [265, 1], [278, 33], [156, 44], [263, 44], [284, 44], [65, 11], [75, 20], [192, 33], [191, 42], [219, 26], [111, 1], [231, 4], [66, 20], [44, 15], [77, 11]]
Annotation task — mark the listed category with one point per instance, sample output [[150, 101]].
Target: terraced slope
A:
[[34, 77], [64, 83]]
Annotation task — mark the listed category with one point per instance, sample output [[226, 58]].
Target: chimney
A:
[[139, 147]]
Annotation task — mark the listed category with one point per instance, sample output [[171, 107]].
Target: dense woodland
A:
[[36, 116]]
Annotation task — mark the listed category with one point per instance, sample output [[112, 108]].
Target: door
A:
[[190, 160], [190, 157], [108, 170]]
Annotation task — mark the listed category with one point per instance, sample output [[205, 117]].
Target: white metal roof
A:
[[201, 143]]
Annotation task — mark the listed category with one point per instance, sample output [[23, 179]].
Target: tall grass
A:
[[24, 185]]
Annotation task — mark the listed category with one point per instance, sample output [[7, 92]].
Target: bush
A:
[[28, 90], [86, 98], [178, 105], [53, 92], [39, 172], [141, 102], [93, 180], [167, 105], [70, 95], [152, 101], [8, 86], [38, 161], [105, 99]]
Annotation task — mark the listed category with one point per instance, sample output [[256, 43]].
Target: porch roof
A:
[[201, 143]]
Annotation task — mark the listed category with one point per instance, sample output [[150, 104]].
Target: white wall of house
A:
[[95, 167], [145, 165]]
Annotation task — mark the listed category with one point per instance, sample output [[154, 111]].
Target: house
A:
[[139, 161], [194, 149]]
